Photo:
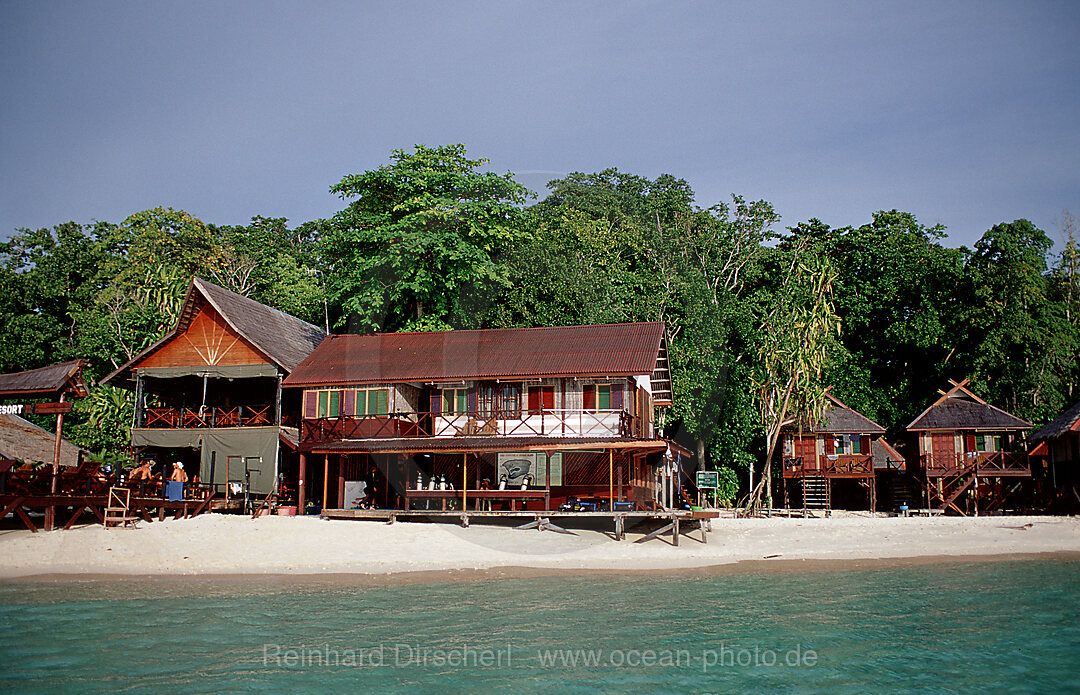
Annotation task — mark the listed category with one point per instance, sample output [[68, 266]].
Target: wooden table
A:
[[511, 496]]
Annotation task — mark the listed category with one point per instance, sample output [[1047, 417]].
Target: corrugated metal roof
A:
[[484, 444], [44, 381], [624, 349]]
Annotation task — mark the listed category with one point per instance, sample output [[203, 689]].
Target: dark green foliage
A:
[[432, 240]]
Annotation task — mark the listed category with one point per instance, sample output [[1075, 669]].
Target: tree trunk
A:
[[700, 454]]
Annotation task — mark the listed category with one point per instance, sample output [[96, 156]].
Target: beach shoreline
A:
[[313, 551], [441, 576]]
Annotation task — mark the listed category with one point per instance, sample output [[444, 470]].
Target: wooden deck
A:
[[676, 522], [146, 508]]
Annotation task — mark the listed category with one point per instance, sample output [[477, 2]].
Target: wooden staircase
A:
[[816, 492], [118, 510], [900, 494]]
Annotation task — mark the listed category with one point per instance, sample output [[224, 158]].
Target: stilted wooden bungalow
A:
[[1058, 444], [971, 454], [209, 393], [836, 462], [511, 418]]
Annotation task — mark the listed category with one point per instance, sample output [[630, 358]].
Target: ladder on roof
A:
[[118, 509]]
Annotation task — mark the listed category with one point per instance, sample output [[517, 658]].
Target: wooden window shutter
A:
[[588, 397], [549, 397], [435, 401], [309, 404], [865, 442], [971, 442], [348, 402], [830, 444], [534, 399], [471, 399], [616, 396]]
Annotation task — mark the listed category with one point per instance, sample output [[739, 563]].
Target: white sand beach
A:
[[217, 544]]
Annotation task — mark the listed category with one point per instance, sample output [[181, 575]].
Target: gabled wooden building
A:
[[542, 413], [209, 393], [971, 455], [1058, 444], [836, 461]]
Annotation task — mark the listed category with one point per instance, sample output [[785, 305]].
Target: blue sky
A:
[[965, 113]]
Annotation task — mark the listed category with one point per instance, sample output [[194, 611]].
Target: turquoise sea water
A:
[[966, 627]]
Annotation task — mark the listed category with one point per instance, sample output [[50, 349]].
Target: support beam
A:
[[325, 477], [300, 485]]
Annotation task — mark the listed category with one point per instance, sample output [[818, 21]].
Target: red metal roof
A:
[[622, 349]]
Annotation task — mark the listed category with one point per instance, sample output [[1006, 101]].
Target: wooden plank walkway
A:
[[675, 522]]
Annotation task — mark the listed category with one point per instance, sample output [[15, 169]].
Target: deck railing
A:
[[986, 463], [189, 418], [829, 464], [547, 422]]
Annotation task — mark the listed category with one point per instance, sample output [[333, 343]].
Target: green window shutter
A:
[[324, 398], [603, 397], [461, 393], [980, 442], [335, 403], [382, 403]]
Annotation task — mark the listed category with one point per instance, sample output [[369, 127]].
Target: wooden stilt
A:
[[300, 485], [611, 479], [464, 482], [325, 477]]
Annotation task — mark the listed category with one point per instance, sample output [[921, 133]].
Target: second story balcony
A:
[[189, 418], [829, 465], [984, 463], [522, 423]]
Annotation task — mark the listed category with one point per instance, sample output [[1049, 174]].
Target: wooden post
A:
[[611, 479], [341, 459], [464, 478], [300, 485], [50, 511], [547, 457], [325, 477]]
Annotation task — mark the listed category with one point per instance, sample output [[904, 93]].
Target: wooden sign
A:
[[52, 408]]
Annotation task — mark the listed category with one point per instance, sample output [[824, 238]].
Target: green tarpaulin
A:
[[220, 371], [234, 453]]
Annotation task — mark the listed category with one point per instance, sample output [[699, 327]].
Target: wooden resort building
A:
[[837, 462], [22, 487], [971, 455], [1058, 445], [523, 418], [209, 393]]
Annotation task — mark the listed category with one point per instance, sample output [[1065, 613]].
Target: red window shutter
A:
[[971, 442], [864, 444], [830, 444], [588, 395], [534, 399], [549, 397], [309, 403]]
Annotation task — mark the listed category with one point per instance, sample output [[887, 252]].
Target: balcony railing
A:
[[190, 418], [829, 464], [541, 423], [986, 463]]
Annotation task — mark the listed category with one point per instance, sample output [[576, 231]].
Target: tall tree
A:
[[418, 232], [797, 334]]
